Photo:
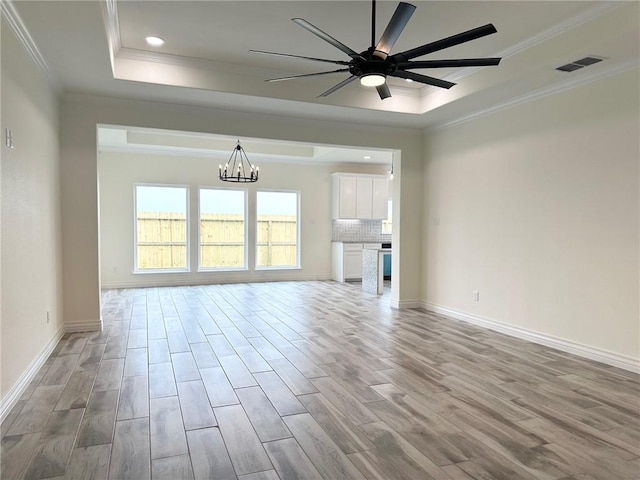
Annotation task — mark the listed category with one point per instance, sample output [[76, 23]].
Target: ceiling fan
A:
[[375, 64]]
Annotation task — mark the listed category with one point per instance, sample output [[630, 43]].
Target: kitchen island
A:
[[373, 269]]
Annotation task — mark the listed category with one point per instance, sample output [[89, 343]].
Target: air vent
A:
[[578, 64], [569, 67]]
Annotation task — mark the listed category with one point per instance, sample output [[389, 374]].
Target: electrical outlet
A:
[[48, 316], [476, 296], [436, 220]]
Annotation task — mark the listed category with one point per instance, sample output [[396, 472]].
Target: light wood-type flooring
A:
[[313, 380]]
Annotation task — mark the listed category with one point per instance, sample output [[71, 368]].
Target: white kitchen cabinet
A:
[[358, 196], [380, 198], [364, 197], [353, 264], [346, 203], [347, 260]]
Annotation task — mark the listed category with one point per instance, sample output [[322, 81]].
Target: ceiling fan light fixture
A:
[[373, 80]]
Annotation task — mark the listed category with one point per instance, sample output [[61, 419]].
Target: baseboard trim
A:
[[91, 326], [14, 394], [592, 353], [178, 280], [402, 304]]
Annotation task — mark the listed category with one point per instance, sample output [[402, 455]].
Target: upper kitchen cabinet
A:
[[380, 197], [362, 197], [344, 196]]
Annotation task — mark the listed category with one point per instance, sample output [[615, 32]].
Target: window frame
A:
[[297, 266], [147, 271], [245, 267]]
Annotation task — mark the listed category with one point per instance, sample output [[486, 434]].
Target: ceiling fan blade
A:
[[280, 79], [416, 77], [391, 34], [383, 91], [337, 62], [445, 43], [465, 62], [326, 37], [338, 86]]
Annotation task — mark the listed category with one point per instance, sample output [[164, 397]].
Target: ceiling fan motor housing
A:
[[371, 64]]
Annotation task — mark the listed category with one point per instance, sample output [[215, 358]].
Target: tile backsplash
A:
[[359, 231]]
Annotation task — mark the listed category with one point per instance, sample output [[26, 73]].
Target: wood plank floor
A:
[[313, 380]]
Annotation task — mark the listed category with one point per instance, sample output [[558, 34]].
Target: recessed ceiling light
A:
[[408, 80], [155, 41], [367, 157]]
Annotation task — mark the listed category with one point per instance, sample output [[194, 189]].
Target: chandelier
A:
[[238, 168]]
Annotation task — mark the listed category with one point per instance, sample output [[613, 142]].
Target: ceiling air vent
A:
[[578, 64]]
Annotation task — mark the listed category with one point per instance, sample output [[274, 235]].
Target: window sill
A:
[[278, 268], [161, 271], [225, 270]]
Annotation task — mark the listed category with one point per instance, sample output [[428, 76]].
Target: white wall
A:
[[539, 212], [118, 172], [81, 114], [31, 265]]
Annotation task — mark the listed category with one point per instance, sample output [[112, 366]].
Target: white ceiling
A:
[[98, 47]]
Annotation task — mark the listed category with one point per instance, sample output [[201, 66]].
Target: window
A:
[[277, 229], [161, 228], [222, 228], [386, 224]]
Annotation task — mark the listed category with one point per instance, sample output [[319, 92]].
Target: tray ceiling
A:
[[99, 48]]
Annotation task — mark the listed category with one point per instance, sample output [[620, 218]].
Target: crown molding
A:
[[112, 28], [559, 87], [594, 12], [26, 40], [560, 28]]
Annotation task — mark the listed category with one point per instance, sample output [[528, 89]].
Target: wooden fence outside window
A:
[[162, 241]]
